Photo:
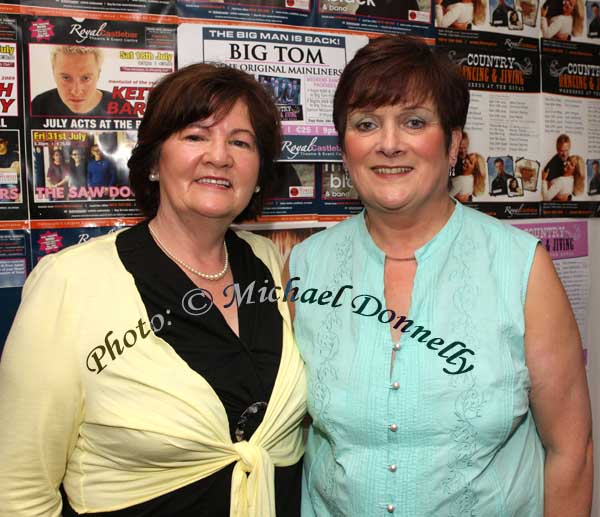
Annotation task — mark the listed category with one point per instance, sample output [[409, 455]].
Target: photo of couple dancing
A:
[[564, 175], [562, 19]]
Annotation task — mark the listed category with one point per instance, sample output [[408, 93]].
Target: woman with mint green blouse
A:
[[445, 369]]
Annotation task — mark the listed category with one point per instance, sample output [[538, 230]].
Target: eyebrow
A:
[[199, 125], [412, 107]]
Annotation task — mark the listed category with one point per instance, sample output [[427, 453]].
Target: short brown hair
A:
[[563, 139], [191, 94], [399, 69]]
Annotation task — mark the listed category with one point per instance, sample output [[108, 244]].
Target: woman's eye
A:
[[241, 143], [415, 123], [365, 125], [194, 137]]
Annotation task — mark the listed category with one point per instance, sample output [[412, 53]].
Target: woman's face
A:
[[210, 168], [469, 164], [57, 157], [396, 156], [569, 167], [567, 7], [526, 173]]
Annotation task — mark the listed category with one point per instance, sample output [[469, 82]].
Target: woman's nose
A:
[[218, 153], [391, 142]]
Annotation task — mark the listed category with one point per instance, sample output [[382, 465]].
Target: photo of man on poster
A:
[[76, 71], [500, 182], [9, 171], [9, 158], [556, 165], [78, 168], [101, 171], [528, 10], [527, 170], [594, 27], [500, 14]]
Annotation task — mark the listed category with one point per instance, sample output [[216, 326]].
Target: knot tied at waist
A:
[[252, 482], [251, 456]]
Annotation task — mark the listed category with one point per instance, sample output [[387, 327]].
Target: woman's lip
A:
[[216, 181], [387, 170]]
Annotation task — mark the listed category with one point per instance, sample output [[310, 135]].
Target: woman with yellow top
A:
[[132, 374]]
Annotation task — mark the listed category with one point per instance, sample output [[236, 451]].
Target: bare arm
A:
[[552, 29], [448, 18], [549, 192], [559, 395]]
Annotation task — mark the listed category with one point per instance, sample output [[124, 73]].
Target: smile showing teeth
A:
[[392, 170], [214, 181]]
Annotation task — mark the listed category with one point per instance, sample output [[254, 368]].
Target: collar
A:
[[446, 235]]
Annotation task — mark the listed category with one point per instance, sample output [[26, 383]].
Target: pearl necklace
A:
[[206, 276]]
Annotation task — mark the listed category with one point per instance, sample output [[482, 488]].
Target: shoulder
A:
[[107, 97], [318, 246], [495, 231], [45, 100], [330, 235], [47, 95], [82, 264], [498, 251]]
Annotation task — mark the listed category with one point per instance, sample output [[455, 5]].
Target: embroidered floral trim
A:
[[470, 402]]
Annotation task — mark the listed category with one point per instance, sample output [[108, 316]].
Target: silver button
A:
[[393, 467], [393, 428], [395, 385], [396, 346], [390, 508]]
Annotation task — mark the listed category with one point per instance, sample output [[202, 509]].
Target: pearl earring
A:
[[257, 189], [153, 176]]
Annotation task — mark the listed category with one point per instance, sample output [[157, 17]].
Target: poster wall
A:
[[13, 197], [498, 169], [75, 76], [85, 94], [571, 129]]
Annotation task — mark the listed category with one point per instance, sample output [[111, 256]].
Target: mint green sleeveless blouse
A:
[[441, 426]]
